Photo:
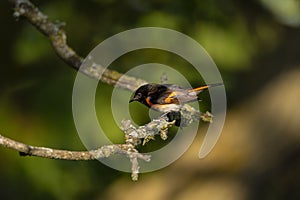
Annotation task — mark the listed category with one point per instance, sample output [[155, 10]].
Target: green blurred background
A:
[[254, 43]]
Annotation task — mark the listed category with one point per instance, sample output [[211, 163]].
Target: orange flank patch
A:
[[148, 101], [171, 99]]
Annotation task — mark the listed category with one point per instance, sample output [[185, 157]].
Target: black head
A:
[[152, 91], [141, 94]]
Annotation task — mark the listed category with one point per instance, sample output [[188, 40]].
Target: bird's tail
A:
[[205, 87]]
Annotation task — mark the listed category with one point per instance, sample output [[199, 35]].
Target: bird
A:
[[167, 97]]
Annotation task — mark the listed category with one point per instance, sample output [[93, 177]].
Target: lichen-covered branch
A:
[[143, 134], [102, 152], [58, 39], [133, 137], [160, 126], [57, 36]]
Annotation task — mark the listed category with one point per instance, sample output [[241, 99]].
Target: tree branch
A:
[[102, 152], [58, 39]]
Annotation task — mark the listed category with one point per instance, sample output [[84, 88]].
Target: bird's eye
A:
[[139, 95]]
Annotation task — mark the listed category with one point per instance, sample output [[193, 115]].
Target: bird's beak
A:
[[131, 100]]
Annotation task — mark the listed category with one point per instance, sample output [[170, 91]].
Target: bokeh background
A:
[[254, 43]]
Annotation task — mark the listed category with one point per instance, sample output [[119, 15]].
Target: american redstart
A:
[[167, 97]]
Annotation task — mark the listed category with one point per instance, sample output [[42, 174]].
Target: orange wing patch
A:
[[170, 99]]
